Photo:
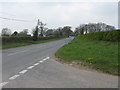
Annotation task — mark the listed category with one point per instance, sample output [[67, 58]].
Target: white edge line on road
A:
[[24, 71], [36, 64], [3, 84], [14, 77], [30, 67]]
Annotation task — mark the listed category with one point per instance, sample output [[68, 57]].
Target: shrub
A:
[[113, 35]]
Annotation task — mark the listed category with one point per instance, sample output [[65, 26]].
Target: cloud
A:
[[58, 14]]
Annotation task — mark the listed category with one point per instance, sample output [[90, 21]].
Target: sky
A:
[[57, 14]]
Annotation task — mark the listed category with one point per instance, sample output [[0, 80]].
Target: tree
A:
[[49, 32], [67, 31], [93, 27], [24, 32], [42, 28], [76, 32], [6, 32], [60, 31], [15, 33], [56, 33], [79, 30], [35, 34]]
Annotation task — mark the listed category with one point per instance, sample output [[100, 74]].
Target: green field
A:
[[100, 55], [12, 45]]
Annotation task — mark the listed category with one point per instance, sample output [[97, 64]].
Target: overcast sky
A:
[[57, 14]]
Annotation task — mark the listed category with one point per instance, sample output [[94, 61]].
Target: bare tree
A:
[[42, 28]]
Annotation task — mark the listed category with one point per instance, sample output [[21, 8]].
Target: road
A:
[[33, 66]]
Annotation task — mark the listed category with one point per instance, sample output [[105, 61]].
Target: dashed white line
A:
[[44, 59], [14, 77], [40, 61], [30, 67], [3, 84], [47, 57], [36, 64], [24, 71]]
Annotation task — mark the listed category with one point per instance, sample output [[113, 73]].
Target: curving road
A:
[[33, 67]]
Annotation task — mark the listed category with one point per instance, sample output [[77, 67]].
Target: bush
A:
[[104, 35], [16, 39]]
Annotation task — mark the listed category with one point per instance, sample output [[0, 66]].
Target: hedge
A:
[[113, 35], [18, 39]]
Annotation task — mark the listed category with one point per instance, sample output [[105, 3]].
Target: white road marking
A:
[[30, 67], [40, 61], [3, 84], [17, 52], [36, 64], [24, 71], [44, 59], [47, 57], [14, 77]]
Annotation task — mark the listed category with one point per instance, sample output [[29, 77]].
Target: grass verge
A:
[[99, 55], [12, 45]]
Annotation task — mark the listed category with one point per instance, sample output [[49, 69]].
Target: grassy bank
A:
[[100, 55], [12, 45]]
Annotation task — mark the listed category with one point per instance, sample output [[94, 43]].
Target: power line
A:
[[14, 19], [8, 14]]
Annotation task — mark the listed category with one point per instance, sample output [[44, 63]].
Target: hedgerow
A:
[[113, 35], [18, 39]]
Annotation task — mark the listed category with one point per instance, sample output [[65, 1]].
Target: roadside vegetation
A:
[[25, 43], [40, 34], [97, 50]]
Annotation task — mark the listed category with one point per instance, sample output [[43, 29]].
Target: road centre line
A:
[[14, 77], [30, 67], [3, 84], [36, 64], [24, 71], [47, 57], [44, 59], [40, 61]]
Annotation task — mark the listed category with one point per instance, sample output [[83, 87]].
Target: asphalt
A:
[[33, 66]]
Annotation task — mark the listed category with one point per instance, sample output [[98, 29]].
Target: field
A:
[[98, 55]]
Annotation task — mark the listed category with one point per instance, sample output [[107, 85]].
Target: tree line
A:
[[42, 31], [92, 27]]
